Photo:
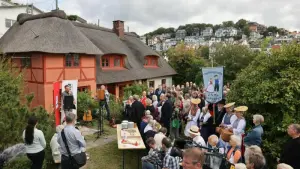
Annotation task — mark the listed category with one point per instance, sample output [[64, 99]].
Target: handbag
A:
[[78, 160]]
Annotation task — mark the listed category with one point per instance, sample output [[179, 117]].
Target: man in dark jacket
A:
[[220, 112], [166, 113], [290, 154], [138, 111]]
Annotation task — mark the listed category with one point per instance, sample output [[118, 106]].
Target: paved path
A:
[[93, 142]]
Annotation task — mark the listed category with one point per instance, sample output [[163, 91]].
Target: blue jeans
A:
[[147, 165]]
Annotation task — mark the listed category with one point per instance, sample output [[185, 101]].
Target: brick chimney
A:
[[119, 28]]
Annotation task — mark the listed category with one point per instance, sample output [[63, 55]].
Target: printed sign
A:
[[213, 84]]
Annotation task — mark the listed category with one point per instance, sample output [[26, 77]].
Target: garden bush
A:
[[270, 86], [15, 110], [136, 88]]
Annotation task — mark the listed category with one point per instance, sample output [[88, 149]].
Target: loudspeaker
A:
[[101, 94]]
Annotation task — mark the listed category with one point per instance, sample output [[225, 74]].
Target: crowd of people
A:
[[168, 114], [166, 118]]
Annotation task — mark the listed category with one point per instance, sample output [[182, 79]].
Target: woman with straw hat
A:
[[239, 124], [193, 116]]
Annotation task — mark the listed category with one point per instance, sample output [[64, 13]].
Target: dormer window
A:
[[112, 62], [151, 61]]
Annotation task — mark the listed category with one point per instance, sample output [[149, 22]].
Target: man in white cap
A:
[[195, 135]]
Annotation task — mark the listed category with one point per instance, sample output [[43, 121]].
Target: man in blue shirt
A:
[[74, 140]]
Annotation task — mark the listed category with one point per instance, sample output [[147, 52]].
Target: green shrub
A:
[[14, 114], [18, 163], [116, 107], [136, 88], [85, 102], [270, 86]]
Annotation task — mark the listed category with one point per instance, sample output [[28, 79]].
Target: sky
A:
[[142, 16]]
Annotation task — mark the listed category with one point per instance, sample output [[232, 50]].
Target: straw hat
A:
[[241, 109], [229, 105], [194, 130], [196, 101]]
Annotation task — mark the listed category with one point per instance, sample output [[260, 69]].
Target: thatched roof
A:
[[49, 33], [130, 46], [52, 33]]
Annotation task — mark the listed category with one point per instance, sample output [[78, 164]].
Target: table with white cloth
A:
[[133, 136]]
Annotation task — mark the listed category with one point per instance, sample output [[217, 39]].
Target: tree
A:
[[186, 63], [270, 86], [228, 24], [15, 110], [241, 24], [234, 58], [204, 52]]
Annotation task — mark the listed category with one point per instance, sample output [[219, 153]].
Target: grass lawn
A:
[[110, 157]]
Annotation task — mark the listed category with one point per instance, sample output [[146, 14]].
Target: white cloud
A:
[[146, 15]]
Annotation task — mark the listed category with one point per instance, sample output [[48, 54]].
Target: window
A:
[[112, 62], [9, 22], [76, 60], [151, 84], [83, 89], [117, 62], [72, 60], [163, 81], [146, 62], [150, 61], [105, 62], [26, 61]]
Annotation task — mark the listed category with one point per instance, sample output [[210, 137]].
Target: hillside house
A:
[[50, 48], [9, 12], [180, 34], [207, 32]]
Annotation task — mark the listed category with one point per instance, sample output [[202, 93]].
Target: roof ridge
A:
[[91, 26], [22, 18]]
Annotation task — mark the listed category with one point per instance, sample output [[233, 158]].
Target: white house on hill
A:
[[9, 12]]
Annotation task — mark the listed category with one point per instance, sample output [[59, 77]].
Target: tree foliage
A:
[[204, 52], [186, 62], [85, 103], [234, 58], [160, 31], [135, 89], [15, 110], [270, 86]]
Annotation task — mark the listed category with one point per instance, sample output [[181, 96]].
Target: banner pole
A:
[[214, 112]]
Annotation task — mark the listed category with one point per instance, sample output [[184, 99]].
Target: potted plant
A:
[[85, 103]]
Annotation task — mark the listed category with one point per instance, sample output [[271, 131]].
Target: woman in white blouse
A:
[[34, 143], [193, 116], [238, 126]]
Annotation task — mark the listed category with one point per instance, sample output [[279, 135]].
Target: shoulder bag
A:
[[78, 160]]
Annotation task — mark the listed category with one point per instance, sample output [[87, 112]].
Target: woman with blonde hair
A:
[[234, 154], [254, 136]]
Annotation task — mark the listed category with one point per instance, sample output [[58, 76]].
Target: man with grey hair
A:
[[74, 139], [291, 151]]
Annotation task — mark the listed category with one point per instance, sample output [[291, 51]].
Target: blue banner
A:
[[213, 84]]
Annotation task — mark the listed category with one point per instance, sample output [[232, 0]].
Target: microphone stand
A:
[[100, 120]]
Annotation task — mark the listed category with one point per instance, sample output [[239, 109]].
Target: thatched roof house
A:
[[118, 56]]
